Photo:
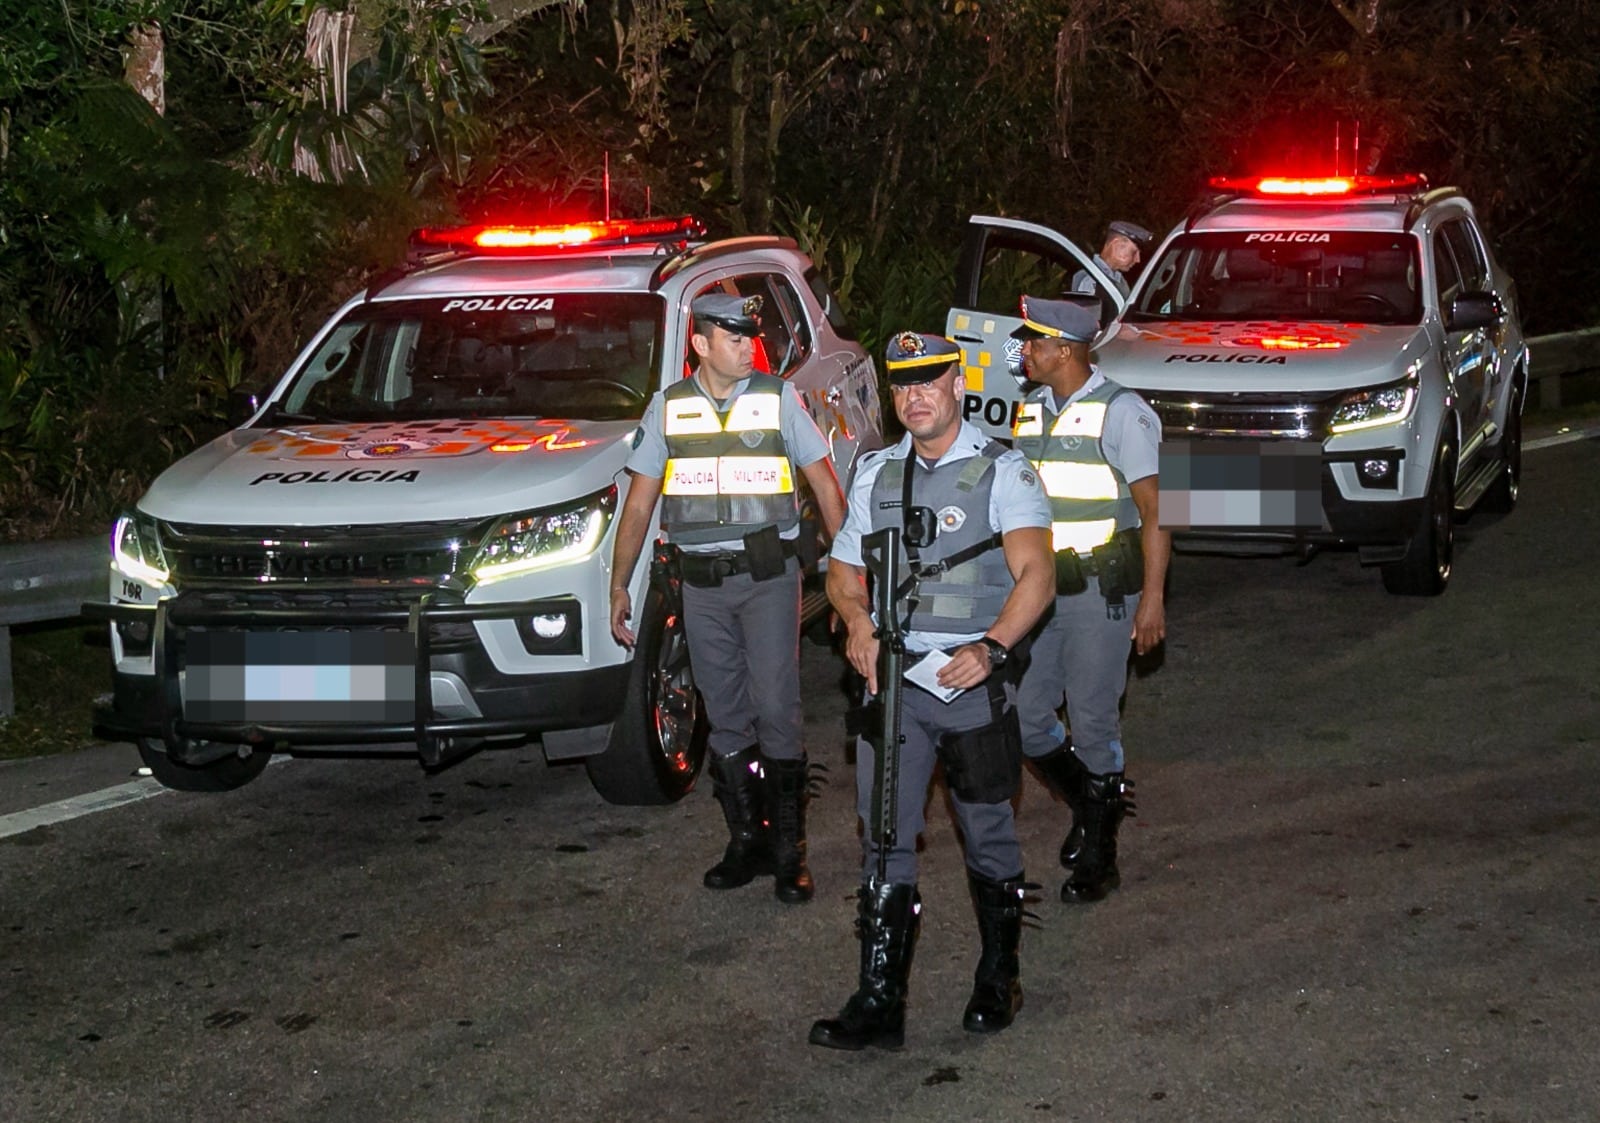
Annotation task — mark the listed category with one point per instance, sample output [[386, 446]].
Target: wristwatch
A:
[[998, 653]]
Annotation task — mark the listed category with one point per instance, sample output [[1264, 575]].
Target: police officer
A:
[[721, 448], [1124, 242], [973, 521], [1096, 447]]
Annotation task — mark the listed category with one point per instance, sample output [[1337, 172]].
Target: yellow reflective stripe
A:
[[1065, 479], [1080, 419], [1030, 420], [690, 475], [753, 411], [1082, 536], [728, 475], [690, 417], [756, 475]]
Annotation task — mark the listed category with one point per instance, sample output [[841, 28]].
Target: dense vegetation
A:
[[151, 261]]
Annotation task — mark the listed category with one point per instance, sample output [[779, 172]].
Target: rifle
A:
[[881, 552]]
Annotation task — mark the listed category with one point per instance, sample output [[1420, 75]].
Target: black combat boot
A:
[[887, 922], [1065, 773], [1095, 873], [738, 783], [786, 796], [996, 989]]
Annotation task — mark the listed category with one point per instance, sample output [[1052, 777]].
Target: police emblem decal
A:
[[951, 518], [1014, 357]]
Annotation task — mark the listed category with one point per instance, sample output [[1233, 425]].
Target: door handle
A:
[[959, 338]]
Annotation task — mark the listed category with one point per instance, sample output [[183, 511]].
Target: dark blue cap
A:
[[738, 314], [913, 357], [1132, 231], [1075, 317]]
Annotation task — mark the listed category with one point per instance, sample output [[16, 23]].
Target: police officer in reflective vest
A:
[[1096, 447], [974, 526], [720, 448]]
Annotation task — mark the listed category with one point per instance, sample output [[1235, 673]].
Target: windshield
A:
[[1341, 276], [580, 356]]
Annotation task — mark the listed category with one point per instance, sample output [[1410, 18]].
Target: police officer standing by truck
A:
[[720, 449], [1096, 446], [975, 545]]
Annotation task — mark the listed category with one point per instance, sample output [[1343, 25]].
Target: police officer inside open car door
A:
[[972, 522], [721, 448], [1096, 447]]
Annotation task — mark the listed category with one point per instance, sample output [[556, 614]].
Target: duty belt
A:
[[704, 570]]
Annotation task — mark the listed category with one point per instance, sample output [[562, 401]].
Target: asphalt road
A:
[[1362, 885]]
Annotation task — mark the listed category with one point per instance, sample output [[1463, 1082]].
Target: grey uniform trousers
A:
[[989, 830], [744, 646], [1082, 651]]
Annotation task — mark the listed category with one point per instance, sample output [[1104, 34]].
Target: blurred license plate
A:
[[1241, 485], [300, 677]]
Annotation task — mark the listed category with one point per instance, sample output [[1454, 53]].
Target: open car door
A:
[[1002, 259]]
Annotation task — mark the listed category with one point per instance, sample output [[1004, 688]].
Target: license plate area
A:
[[293, 677], [1211, 484]]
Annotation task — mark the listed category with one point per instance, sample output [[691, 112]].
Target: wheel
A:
[[1424, 571], [659, 738], [1501, 498], [221, 775]]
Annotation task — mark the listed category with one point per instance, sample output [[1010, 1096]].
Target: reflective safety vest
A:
[[727, 474], [967, 597], [1089, 499]]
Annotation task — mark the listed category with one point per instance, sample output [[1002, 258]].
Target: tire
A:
[[1501, 498], [1424, 571], [658, 741], [224, 775]]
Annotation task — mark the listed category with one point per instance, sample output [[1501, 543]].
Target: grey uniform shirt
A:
[[1131, 439], [1016, 501], [802, 440], [1082, 282]]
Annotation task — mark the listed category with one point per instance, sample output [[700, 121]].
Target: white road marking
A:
[[107, 798], [1559, 439], [79, 805]]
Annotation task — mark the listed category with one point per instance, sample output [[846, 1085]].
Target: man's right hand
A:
[[861, 648], [621, 613]]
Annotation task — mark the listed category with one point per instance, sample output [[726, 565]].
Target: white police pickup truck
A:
[[1335, 361], [407, 544]]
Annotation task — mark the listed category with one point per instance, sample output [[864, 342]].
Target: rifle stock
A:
[[881, 553]]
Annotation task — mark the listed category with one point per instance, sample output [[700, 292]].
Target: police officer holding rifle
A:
[[1096, 446], [974, 558], [721, 448]]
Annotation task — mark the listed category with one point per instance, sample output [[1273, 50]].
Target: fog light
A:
[[1378, 471], [549, 627]]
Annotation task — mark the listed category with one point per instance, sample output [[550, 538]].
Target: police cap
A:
[[913, 357], [1075, 317], [738, 314], [1132, 231]]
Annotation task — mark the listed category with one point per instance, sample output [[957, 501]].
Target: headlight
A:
[[540, 539], [136, 550], [1367, 409]]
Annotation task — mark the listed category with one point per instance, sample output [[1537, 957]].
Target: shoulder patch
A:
[[1028, 478], [638, 437], [1144, 419]]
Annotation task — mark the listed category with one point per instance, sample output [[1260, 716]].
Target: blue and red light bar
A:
[[1317, 187], [521, 238]]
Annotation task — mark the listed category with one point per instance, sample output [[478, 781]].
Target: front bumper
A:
[[152, 705]]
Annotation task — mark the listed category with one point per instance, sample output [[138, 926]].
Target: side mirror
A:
[[242, 406], [1473, 310]]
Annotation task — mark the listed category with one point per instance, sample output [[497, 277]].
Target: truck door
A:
[[1458, 268], [1001, 260]]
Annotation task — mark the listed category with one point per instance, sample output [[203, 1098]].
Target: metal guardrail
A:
[[45, 581], [51, 580]]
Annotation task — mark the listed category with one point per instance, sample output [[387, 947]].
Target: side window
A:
[[1011, 269], [1446, 276], [1469, 255], [830, 305], [785, 337]]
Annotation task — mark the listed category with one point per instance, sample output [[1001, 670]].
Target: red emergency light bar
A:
[[1278, 187], [517, 238]]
